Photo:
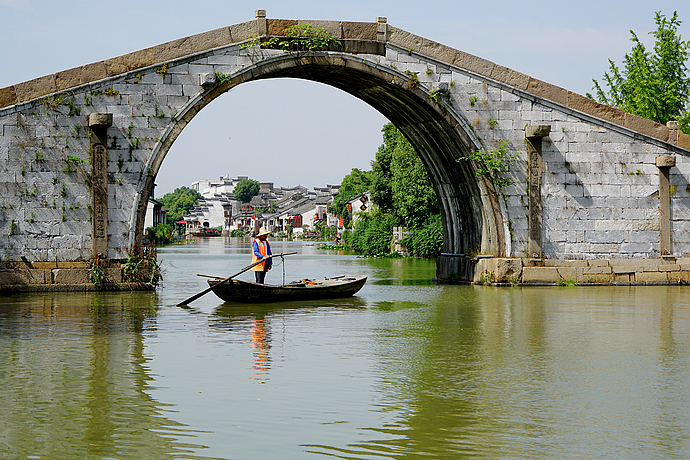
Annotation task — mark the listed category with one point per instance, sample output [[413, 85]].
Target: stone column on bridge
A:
[[99, 123], [534, 135], [665, 163]]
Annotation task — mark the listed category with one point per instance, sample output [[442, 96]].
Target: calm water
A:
[[406, 369]]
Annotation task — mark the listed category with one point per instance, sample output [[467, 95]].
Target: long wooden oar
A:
[[206, 291]]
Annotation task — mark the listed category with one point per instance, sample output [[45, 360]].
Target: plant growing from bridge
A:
[[493, 163], [414, 80], [297, 38], [652, 85]]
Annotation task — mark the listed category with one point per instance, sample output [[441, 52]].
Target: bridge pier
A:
[[454, 268]]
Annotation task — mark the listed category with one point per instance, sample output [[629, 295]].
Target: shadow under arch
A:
[[470, 206]]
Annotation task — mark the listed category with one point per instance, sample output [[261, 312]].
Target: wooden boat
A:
[[246, 291]]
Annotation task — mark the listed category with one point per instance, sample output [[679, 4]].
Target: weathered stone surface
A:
[[243, 31], [24, 276], [35, 88], [506, 270], [71, 276], [131, 61], [80, 75], [651, 276], [8, 96], [474, 64], [359, 30], [537, 130], [548, 91], [100, 119], [510, 77], [683, 140], [645, 126], [665, 161], [540, 275], [278, 26]]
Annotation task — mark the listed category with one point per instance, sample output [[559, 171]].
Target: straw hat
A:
[[263, 232]]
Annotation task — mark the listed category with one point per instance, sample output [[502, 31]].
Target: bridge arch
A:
[[470, 206]]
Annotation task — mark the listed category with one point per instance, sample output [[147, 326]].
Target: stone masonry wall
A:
[[600, 181]]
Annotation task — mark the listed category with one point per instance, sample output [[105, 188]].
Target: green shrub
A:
[[372, 234], [426, 241]]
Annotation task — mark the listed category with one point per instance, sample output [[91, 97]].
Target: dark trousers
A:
[[260, 277]]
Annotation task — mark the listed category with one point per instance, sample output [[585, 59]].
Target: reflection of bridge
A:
[[75, 381], [594, 181]]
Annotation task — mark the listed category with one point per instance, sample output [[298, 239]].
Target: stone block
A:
[[540, 275], [80, 75], [35, 88], [71, 276], [473, 63], [548, 91], [242, 31], [359, 30], [506, 270], [568, 273], [129, 62], [665, 161], [565, 263], [209, 40], [510, 77], [652, 277], [25, 276], [645, 126], [8, 96], [683, 140]]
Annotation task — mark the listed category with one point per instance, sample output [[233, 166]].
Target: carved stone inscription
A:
[[536, 169], [99, 185]]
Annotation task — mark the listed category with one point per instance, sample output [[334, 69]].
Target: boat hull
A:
[[245, 291]]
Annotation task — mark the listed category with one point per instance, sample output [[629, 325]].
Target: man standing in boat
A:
[[261, 249]]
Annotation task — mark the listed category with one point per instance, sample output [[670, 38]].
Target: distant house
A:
[[359, 204], [278, 209], [155, 212]]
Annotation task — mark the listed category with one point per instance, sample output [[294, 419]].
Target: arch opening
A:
[[470, 210]]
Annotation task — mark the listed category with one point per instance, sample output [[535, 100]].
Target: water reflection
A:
[[509, 373], [261, 317], [78, 387], [403, 370]]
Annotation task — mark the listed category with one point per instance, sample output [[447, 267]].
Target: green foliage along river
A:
[[405, 369]]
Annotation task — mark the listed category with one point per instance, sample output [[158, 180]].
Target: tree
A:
[[414, 197], [381, 192], [652, 85], [400, 183], [246, 190], [180, 202]]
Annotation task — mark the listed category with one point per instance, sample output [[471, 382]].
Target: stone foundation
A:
[[665, 270], [63, 276]]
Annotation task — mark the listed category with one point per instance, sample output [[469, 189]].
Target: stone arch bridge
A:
[[80, 149]]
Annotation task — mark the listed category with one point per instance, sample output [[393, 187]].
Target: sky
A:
[[293, 132]]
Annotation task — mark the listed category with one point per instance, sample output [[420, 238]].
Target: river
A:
[[406, 369]]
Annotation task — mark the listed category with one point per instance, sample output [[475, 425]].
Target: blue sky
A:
[[322, 132]]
